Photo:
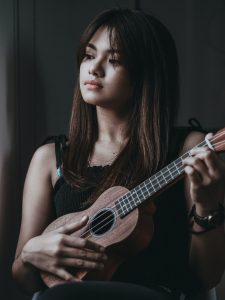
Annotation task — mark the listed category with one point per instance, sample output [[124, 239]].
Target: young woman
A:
[[122, 132]]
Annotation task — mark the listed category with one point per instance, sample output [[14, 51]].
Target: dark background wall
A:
[[38, 40]]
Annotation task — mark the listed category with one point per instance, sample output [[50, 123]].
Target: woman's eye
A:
[[114, 61], [88, 56]]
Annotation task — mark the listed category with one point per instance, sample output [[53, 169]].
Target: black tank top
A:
[[164, 264]]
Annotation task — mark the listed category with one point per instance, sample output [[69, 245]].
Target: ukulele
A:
[[121, 219]]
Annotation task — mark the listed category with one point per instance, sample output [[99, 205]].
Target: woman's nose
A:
[[96, 69]]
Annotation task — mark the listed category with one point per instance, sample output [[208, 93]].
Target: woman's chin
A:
[[96, 102]]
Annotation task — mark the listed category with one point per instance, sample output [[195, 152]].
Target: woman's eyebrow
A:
[[111, 50], [90, 45]]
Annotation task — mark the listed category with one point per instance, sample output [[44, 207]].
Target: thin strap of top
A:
[[60, 144], [196, 125]]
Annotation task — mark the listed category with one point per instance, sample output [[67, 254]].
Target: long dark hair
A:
[[149, 54]]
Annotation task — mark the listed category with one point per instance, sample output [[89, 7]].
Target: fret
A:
[[125, 203], [163, 176], [179, 169], [172, 169], [138, 193], [146, 188], [129, 205], [123, 209], [178, 162], [132, 202], [157, 180], [142, 189], [149, 188], [122, 206], [185, 155], [171, 175], [119, 207], [166, 174], [202, 144], [142, 195], [139, 200], [156, 185], [150, 181], [141, 192], [128, 201]]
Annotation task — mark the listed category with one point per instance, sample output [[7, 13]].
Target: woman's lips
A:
[[93, 84]]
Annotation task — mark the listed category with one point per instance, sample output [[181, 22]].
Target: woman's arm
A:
[[205, 187], [56, 250], [37, 213]]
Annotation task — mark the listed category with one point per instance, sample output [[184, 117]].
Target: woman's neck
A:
[[112, 126]]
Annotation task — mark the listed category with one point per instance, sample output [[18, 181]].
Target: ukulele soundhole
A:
[[102, 222]]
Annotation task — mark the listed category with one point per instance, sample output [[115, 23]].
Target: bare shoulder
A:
[[40, 171], [45, 153], [192, 139], [44, 158]]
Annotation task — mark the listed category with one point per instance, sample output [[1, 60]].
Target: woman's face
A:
[[104, 81]]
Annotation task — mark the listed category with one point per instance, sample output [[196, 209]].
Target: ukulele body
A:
[[121, 236]]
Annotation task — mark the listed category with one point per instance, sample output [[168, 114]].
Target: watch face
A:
[[213, 220]]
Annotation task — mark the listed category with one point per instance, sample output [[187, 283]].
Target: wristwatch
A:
[[213, 220]]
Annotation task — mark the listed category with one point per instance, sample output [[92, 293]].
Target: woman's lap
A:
[[102, 290]]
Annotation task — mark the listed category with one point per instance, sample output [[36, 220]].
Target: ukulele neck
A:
[[154, 184]]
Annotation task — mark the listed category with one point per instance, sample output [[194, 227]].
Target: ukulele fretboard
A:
[[152, 185]]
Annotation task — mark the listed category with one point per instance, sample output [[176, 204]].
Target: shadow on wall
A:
[[32, 107], [9, 174], [18, 141]]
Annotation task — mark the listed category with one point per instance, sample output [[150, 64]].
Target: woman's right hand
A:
[[54, 251]]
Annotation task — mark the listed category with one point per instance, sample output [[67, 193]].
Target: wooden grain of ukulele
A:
[[121, 220]]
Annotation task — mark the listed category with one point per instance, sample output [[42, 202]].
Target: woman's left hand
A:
[[206, 175]]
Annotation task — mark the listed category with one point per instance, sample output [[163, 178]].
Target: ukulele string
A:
[[179, 168], [221, 143], [217, 135]]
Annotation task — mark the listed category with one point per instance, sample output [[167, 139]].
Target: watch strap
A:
[[213, 220]]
